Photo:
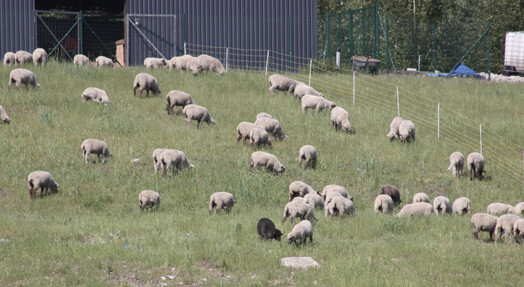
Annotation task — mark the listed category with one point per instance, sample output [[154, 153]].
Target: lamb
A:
[[441, 205], [42, 180], [171, 159], [340, 120], [339, 205], [244, 129], [94, 146], [282, 83], [266, 228], [518, 230], [406, 131], [186, 62], [383, 203], [80, 60], [462, 205], [9, 59], [504, 226], [392, 191], [156, 158], [316, 102], [483, 222], [177, 98], [301, 232], [415, 209], [264, 115], [421, 197], [198, 113], [393, 128], [299, 189], [475, 163], [302, 89], [260, 158], [456, 163], [148, 199], [39, 57], [208, 63], [154, 63], [22, 76], [221, 200], [334, 189], [500, 208], [146, 82], [258, 137], [102, 61], [297, 208], [272, 126], [96, 95], [3, 115], [23, 57], [314, 200], [309, 154]]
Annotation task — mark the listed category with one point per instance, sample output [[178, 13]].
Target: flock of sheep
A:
[[303, 199]]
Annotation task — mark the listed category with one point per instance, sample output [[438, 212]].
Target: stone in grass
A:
[[298, 262]]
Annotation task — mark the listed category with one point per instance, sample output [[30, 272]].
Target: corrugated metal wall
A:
[[285, 26], [17, 26]]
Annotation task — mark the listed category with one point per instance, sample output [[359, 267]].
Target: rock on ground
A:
[[298, 262]]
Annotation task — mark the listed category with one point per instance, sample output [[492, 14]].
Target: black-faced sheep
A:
[[39, 57], [221, 200], [269, 161], [393, 128], [23, 57], [340, 120], [177, 98], [483, 222], [301, 232], [42, 180], [148, 199], [272, 126], [316, 102], [462, 205], [266, 228], [406, 131], [475, 163], [281, 83], [299, 189], [307, 153], [80, 60], [416, 209], [146, 82], [3, 115], [505, 226], [302, 89], [441, 205], [456, 163], [392, 191], [384, 204], [197, 113], [22, 76], [9, 59], [94, 146]]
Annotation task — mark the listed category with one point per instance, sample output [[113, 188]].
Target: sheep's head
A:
[[332, 105], [164, 61], [347, 127], [7, 120], [276, 234], [291, 238]]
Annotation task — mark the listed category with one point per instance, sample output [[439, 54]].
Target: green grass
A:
[[92, 233]]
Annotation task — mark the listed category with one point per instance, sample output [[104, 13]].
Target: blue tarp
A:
[[460, 71]]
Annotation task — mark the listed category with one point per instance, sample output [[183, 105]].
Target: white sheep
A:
[[297, 208], [314, 200], [456, 163], [186, 62], [197, 113], [505, 226], [518, 230], [96, 95], [269, 161], [307, 153], [281, 83], [302, 89], [22, 76], [441, 205], [461, 205], [406, 131], [156, 158], [9, 59], [42, 180], [221, 200], [263, 115], [23, 57], [146, 82], [154, 63], [171, 159], [80, 60], [415, 209], [94, 146], [3, 115], [102, 61], [383, 203], [316, 102], [335, 189], [272, 126], [148, 199], [208, 63], [475, 163], [421, 197], [393, 128], [301, 232], [244, 129], [500, 208], [259, 137], [483, 222], [299, 189], [340, 120], [339, 205], [39, 57], [518, 209], [177, 98]]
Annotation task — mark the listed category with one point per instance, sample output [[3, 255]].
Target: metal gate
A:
[[150, 35], [59, 27]]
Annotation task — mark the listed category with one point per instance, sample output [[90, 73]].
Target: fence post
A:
[[185, 48], [438, 121], [79, 34], [434, 50], [353, 88], [480, 132], [398, 105], [267, 61], [327, 37], [310, 65], [418, 63], [227, 54]]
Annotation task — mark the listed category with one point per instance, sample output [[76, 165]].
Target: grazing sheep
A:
[[393, 128], [221, 200], [208, 63], [340, 120], [406, 131], [316, 102], [497, 208], [102, 61], [23, 57], [333, 188], [462, 205], [146, 82], [441, 205], [281, 83], [186, 62], [392, 191], [456, 163], [156, 158], [147, 199], [518, 209], [9, 59], [171, 159], [42, 180], [518, 230], [475, 165], [483, 222], [260, 158], [264, 115], [299, 189], [244, 130], [266, 228], [80, 60], [309, 154], [177, 98], [258, 137], [297, 208], [39, 57], [154, 63], [504, 226], [314, 200], [197, 113], [3, 115], [94, 146], [339, 205], [301, 232], [415, 209], [272, 126], [96, 95], [421, 197], [22, 76], [383, 203], [302, 89]]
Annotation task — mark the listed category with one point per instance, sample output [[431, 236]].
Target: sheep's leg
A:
[[244, 140], [141, 90], [251, 165], [304, 109], [314, 164], [300, 162], [134, 90], [238, 138], [104, 159], [98, 156], [86, 156], [490, 235], [476, 234], [219, 207], [198, 123], [311, 238], [271, 90]]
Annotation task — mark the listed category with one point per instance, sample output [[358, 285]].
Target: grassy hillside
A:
[[92, 233]]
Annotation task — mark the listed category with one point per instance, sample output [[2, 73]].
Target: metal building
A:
[[17, 26]]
